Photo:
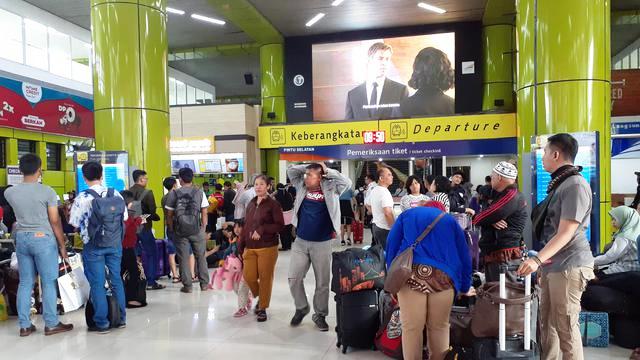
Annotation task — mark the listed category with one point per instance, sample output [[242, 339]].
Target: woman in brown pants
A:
[[259, 244], [441, 266]]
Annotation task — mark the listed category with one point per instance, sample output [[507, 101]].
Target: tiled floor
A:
[[199, 326]]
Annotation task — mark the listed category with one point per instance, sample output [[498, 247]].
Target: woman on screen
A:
[[432, 76]]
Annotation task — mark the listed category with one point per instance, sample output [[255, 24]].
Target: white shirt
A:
[[380, 198], [367, 191], [82, 208], [369, 86]]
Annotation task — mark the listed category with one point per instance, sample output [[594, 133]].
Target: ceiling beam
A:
[[214, 51], [246, 17]]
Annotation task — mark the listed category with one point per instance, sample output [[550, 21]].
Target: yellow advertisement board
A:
[[470, 127]]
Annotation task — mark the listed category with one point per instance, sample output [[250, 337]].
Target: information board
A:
[[115, 166]]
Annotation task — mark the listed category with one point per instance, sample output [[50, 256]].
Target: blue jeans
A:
[[150, 249], [37, 254], [94, 260]]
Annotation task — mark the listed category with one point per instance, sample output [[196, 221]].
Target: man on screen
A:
[[376, 97]]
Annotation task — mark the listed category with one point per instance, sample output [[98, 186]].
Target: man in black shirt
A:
[[229, 195]]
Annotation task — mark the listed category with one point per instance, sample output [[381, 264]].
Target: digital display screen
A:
[[384, 78]]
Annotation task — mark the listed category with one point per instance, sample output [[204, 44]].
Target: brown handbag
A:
[[400, 270], [485, 312]]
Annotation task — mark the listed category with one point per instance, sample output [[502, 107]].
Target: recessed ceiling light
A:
[[315, 19], [175, 11], [208, 19], [432, 8], [337, 2]]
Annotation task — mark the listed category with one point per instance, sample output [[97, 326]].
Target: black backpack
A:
[[106, 222], [187, 214]]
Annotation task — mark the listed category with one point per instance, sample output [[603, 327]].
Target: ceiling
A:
[[289, 18]]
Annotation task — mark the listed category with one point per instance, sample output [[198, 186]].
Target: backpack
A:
[[213, 204], [187, 214], [136, 204], [389, 336], [220, 199], [360, 198], [106, 221]]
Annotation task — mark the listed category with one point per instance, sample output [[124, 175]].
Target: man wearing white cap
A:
[[502, 223]]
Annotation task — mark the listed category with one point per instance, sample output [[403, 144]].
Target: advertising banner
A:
[[625, 92], [115, 166], [400, 150], [627, 146], [33, 107], [470, 127]]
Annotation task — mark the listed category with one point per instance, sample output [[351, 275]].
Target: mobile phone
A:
[[145, 216]]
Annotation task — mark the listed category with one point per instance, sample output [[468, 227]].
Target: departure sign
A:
[[374, 137]]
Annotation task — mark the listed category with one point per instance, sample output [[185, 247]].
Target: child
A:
[[131, 269], [241, 289]]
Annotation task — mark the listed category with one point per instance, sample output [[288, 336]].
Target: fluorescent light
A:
[[175, 11], [208, 19], [432, 8], [315, 19], [337, 2]]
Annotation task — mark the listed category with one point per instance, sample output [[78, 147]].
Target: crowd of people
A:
[[318, 206]]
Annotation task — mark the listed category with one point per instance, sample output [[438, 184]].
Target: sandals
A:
[[156, 287], [175, 280], [261, 316]]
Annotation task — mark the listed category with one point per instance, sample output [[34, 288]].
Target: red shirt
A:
[[130, 232]]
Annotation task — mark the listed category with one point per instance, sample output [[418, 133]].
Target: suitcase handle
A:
[[502, 313]]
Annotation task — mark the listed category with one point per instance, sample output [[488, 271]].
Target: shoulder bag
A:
[[401, 267]]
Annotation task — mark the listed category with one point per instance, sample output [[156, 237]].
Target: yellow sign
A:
[[317, 134], [192, 145], [470, 127]]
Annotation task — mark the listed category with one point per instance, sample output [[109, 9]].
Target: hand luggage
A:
[[358, 319], [358, 231], [389, 337], [508, 347], [113, 313], [356, 269], [163, 259], [594, 327]]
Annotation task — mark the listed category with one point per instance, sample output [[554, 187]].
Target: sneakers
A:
[[349, 242], [343, 243], [320, 322], [27, 331], [60, 328], [299, 315], [186, 290], [101, 331], [156, 287], [241, 312], [261, 316], [204, 287]]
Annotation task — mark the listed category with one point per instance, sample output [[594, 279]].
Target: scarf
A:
[[629, 221], [561, 175]]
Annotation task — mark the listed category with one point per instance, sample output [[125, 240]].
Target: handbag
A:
[[400, 270], [485, 312], [287, 216], [73, 289], [460, 330]]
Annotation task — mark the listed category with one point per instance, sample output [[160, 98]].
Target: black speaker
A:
[[498, 102], [248, 78], [271, 115]]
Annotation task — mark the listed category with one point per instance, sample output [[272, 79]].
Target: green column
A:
[[564, 72], [130, 95], [272, 93], [497, 79]]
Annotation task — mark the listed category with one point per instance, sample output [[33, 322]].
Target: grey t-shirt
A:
[[572, 200], [30, 202]]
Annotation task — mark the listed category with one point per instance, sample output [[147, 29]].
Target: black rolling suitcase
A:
[[358, 319], [113, 310], [508, 347]]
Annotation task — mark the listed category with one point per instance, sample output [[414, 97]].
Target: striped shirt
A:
[[444, 199]]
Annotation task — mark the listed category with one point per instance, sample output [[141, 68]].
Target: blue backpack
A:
[[106, 222]]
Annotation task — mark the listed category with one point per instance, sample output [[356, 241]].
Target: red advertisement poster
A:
[[36, 108], [625, 92]]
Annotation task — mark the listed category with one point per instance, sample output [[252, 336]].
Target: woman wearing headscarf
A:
[[622, 256]]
